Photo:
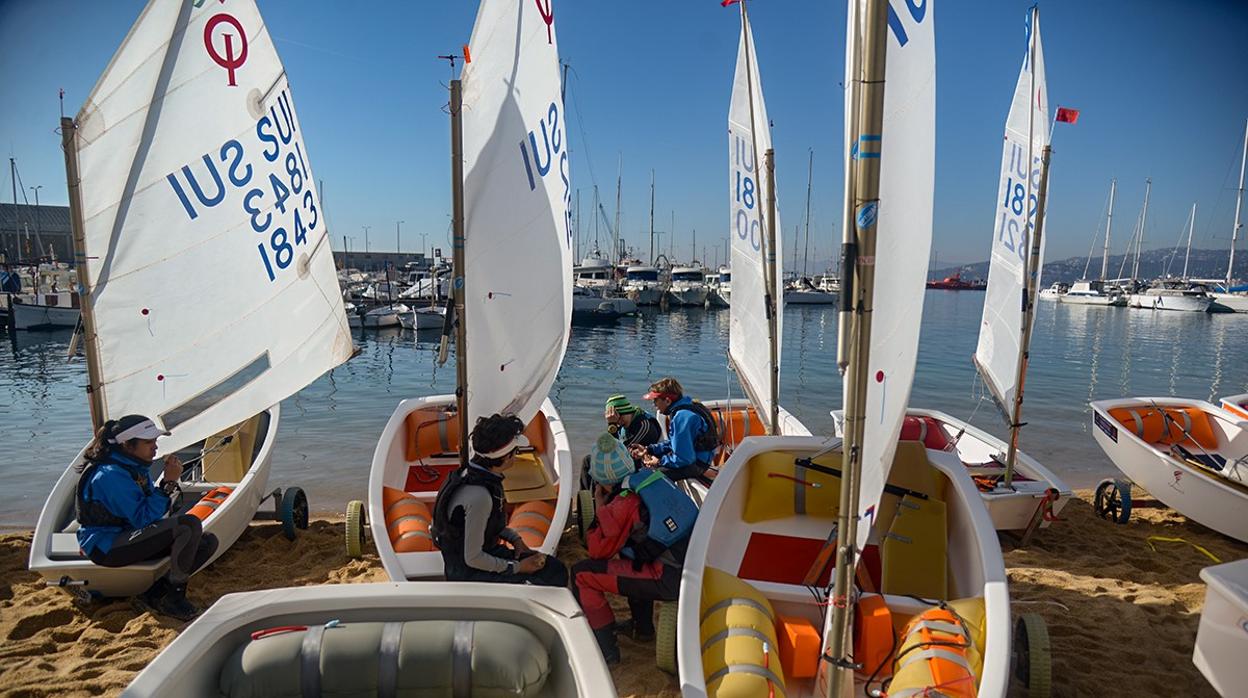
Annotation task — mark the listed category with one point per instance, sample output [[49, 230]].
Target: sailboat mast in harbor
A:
[[1239, 199], [458, 282], [1109, 223], [1139, 240]]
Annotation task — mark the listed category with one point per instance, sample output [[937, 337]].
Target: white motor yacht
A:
[[688, 287], [1093, 293], [1172, 294], [1054, 292], [643, 286]]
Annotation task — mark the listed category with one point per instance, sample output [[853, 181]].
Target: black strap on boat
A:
[[310, 662], [388, 660], [836, 472], [461, 659]]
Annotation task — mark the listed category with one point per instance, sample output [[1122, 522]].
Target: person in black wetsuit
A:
[[470, 521], [124, 517]]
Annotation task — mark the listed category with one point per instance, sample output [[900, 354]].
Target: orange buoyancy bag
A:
[[407, 522], [213, 499], [933, 657], [532, 521]]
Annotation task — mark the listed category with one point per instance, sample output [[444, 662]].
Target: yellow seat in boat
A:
[[779, 488], [913, 553], [527, 480]]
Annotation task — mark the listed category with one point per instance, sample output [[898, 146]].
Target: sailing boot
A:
[[176, 605], [150, 599], [606, 642], [641, 626], [208, 545]]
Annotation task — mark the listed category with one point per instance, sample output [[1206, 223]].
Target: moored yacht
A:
[[1093, 293], [1172, 294], [1054, 292], [643, 286], [688, 286]]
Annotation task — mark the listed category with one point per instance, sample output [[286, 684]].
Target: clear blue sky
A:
[[1161, 86]]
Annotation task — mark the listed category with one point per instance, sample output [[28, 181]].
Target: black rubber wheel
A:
[[665, 638], [1113, 500], [355, 528], [584, 512], [294, 513], [1033, 661]]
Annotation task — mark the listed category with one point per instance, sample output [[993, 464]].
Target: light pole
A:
[[397, 248], [366, 227], [38, 237], [423, 253]]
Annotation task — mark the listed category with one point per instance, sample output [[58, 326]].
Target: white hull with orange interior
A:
[[1194, 459], [1222, 637], [1035, 487], [418, 449], [200, 661], [1236, 405], [765, 523], [242, 465]]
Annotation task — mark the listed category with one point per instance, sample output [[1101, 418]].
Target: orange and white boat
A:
[[1189, 454], [1236, 404]]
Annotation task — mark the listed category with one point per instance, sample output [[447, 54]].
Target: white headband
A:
[[145, 429], [519, 442]]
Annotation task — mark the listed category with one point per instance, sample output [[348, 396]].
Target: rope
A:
[[1199, 548]]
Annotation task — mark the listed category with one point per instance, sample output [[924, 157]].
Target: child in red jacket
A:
[[618, 522]]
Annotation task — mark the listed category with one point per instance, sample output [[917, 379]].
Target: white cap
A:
[[145, 429]]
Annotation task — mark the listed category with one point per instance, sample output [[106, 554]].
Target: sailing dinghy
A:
[[758, 309], [1021, 493], [153, 205], [759, 612], [1189, 454], [1236, 405], [436, 638], [513, 303], [1222, 637]]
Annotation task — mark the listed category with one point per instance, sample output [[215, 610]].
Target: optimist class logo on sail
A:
[[226, 57], [267, 176]]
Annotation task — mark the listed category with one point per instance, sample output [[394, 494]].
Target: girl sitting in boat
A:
[[124, 517]]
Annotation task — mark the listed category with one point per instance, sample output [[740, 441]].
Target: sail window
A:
[[210, 397]]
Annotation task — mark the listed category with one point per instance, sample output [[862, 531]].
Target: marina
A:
[[558, 449]]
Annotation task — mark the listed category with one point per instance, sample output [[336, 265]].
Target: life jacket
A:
[[95, 513], [708, 438], [667, 516], [448, 522]]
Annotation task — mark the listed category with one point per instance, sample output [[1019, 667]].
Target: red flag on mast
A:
[[1069, 116]]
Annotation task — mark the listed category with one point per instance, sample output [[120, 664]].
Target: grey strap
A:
[[941, 626], [1187, 422], [749, 669], [1139, 423], [737, 601], [408, 517], [935, 653], [388, 660], [538, 514], [923, 430], [461, 659], [310, 662], [735, 632], [444, 438]]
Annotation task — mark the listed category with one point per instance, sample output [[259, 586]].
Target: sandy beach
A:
[[1122, 617]]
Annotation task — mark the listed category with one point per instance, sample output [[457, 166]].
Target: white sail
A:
[[907, 154], [518, 268], [997, 354], [749, 138], [213, 283]]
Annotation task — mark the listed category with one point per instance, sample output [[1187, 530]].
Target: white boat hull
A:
[[1195, 492], [1237, 405], [1011, 509], [43, 317], [720, 538], [423, 319], [1186, 304], [390, 468], [1073, 299], [54, 553], [191, 665], [379, 320], [1222, 637], [1049, 295], [694, 296], [645, 295], [1237, 302], [809, 297]]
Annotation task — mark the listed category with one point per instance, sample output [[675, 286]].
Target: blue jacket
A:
[[677, 450], [115, 483]]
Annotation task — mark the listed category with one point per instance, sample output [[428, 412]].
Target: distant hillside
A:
[[1206, 264]]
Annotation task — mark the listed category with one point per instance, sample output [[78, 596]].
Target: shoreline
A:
[[1096, 584]]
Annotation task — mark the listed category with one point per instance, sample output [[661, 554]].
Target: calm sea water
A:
[[328, 431]]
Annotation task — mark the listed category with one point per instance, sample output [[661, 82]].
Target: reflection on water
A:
[[328, 431]]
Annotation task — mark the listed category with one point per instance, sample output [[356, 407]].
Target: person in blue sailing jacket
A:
[[692, 434], [124, 517]]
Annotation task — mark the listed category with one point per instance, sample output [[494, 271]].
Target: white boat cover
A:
[[192, 159], [907, 155], [749, 138], [1000, 332], [518, 255]]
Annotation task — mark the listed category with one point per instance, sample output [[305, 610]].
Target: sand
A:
[[1122, 617]]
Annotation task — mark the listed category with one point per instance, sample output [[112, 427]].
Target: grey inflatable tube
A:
[[413, 659]]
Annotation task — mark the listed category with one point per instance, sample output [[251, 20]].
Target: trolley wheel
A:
[[1113, 500], [1033, 661], [665, 638], [294, 511], [584, 511], [355, 528]]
